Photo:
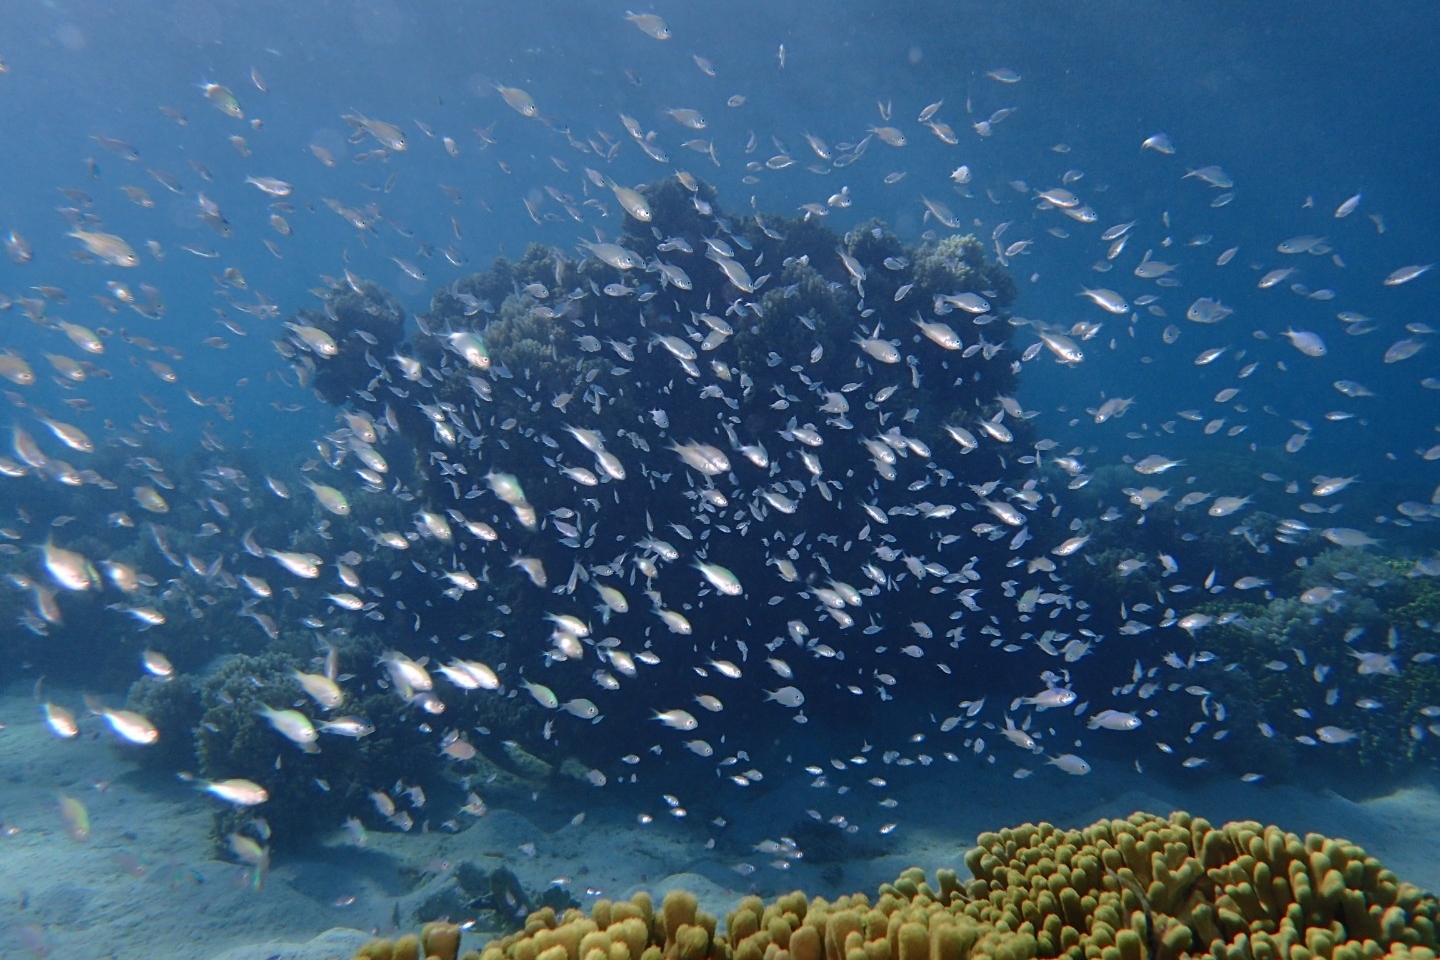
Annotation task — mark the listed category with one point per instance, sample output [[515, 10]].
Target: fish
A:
[[1213, 176], [14, 368], [1114, 720], [222, 99], [322, 689], [546, 464], [650, 24], [18, 249], [518, 100], [292, 725], [1158, 142], [60, 721], [1070, 763], [720, 578], [155, 662], [271, 186], [75, 817], [69, 569], [388, 134], [631, 202], [304, 565], [237, 791], [687, 117], [1207, 310], [1050, 699], [315, 339], [1306, 342], [352, 727], [1064, 349], [107, 247], [614, 255], [542, 695], [940, 212], [252, 853], [786, 696], [676, 719], [581, 707], [331, 499], [1406, 274], [129, 725]]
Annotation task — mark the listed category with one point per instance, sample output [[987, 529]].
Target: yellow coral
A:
[[1146, 886], [1143, 888]]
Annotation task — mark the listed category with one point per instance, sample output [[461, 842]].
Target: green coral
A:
[[1419, 602], [175, 707], [1290, 643], [956, 264], [1373, 598], [362, 319], [234, 740]]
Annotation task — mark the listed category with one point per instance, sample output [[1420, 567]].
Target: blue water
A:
[[1301, 109]]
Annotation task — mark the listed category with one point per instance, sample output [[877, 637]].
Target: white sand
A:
[[148, 884]]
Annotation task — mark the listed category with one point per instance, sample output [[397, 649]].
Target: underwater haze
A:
[[465, 456]]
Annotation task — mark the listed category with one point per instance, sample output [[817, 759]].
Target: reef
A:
[[1317, 627], [1368, 643], [437, 940], [506, 358], [676, 347], [1134, 889], [358, 318]]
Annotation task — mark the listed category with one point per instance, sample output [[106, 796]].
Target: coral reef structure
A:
[[1134, 889]]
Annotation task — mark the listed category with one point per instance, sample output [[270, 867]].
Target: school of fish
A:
[[924, 586]]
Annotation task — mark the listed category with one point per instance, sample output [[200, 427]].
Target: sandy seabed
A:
[[149, 884]]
